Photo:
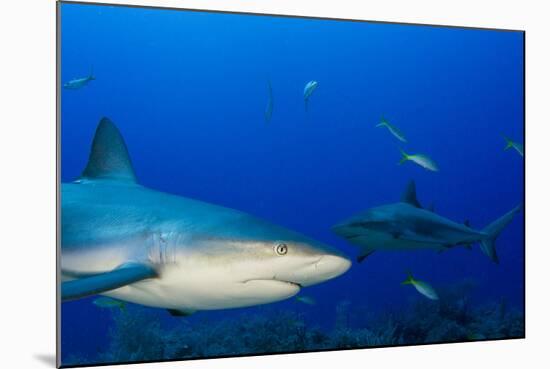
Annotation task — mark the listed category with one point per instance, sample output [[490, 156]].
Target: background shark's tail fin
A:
[[493, 230], [91, 76]]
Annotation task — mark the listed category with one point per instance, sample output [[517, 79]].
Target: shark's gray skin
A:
[[136, 244], [77, 83], [406, 225]]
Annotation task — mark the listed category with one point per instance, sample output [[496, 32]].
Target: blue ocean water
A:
[[188, 91]]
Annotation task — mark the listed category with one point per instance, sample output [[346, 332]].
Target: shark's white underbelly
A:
[[195, 285], [203, 289]]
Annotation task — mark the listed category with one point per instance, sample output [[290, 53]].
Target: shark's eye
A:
[[281, 249]]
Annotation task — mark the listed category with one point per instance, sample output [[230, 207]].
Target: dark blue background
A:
[[188, 91]]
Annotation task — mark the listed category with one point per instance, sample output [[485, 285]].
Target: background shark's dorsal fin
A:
[[109, 157], [409, 196]]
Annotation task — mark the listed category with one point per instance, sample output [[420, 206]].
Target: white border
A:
[[28, 183]]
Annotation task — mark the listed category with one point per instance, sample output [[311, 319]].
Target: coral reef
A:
[[142, 334]]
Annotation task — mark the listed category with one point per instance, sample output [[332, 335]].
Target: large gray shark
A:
[[126, 241], [406, 225]]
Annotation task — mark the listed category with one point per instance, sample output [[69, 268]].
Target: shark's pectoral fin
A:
[[442, 248], [180, 313], [396, 234], [98, 283], [365, 254]]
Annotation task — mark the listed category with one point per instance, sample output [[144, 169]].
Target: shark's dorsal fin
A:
[[409, 196], [109, 157]]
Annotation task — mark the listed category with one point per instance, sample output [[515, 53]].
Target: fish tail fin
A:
[[409, 280], [91, 76], [509, 143], [404, 157], [306, 103], [383, 122], [493, 230]]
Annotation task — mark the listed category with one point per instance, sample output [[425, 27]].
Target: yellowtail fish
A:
[[308, 90], [515, 145], [269, 107], [109, 303], [306, 300], [393, 129], [422, 287], [423, 160]]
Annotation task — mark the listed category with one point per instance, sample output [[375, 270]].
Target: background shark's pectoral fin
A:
[[365, 254], [122, 276], [180, 313], [396, 234], [443, 248]]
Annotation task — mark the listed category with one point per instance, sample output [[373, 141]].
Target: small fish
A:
[[77, 83], [306, 300], [269, 107], [422, 287], [308, 90], [109, 303], [393, 129], [420, 159], [515, 145]]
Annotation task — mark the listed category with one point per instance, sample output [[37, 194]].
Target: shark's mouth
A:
[[352, 236], [293, 284]]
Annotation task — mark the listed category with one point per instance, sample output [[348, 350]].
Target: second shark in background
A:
[[406, 225]]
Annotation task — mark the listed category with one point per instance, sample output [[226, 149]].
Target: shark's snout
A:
[[344, 230], [326, 267], [331, 266]]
